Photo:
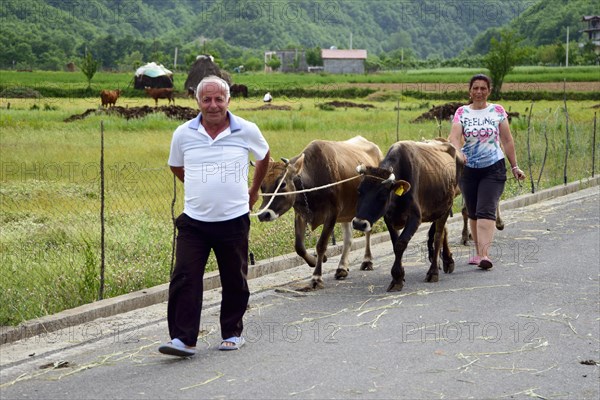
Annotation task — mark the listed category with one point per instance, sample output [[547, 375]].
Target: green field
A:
[[73, 84], [50, 192]]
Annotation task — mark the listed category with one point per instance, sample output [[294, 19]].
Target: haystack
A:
[[204, 66], [153, 75]]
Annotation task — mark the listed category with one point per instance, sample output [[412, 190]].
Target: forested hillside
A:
[[47, 34]]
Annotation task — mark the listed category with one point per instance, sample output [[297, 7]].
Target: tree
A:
[[274, 63], [89, 65], [313, 56], [253, 64], [504, 54], [131, 61]]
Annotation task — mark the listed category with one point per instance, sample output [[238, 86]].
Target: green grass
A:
[[50, 201], [73, 84]]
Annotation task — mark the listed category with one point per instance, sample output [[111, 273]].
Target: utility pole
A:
[[567, 54], [175, 59]]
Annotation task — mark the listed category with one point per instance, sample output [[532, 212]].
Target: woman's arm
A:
[[509, 149]]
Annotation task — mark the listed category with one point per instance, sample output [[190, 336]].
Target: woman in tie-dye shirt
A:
[[482, 127]]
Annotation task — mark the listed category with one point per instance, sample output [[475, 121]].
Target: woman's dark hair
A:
[[480, 77]]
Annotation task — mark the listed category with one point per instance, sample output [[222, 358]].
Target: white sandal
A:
[[235, 340]]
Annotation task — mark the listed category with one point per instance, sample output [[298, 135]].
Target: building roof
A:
[[590, 17], [343, 54]]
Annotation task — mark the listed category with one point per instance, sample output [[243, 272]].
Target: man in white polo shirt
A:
[[210, 155]]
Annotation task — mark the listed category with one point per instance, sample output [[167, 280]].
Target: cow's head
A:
[[377, 187], [280, 177]]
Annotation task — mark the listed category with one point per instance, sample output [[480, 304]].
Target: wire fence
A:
[[70, 237], [72, 234]]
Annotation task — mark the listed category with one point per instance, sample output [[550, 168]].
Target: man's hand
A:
[[253, 197]]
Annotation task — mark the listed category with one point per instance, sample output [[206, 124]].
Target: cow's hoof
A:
[[366, 266], [395, 286], [449, 267], [313, 285], [341, 274], [465, 241], [432, 278]]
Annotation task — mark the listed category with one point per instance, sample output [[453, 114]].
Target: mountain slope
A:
[[49, 33]]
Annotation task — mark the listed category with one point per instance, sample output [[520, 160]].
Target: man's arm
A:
[[178, 172], [260, 172]]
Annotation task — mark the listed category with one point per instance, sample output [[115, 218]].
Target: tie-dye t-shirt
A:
[[481, 133]]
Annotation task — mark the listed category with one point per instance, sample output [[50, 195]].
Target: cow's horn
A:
[[285, 160], [361, 169], [391, 178]]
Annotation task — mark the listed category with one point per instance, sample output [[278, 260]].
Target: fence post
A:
[[102, 204], [529, 148], [397, 120], [594, 147], [567, 132]]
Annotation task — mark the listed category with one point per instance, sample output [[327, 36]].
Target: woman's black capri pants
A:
[[481, 189]]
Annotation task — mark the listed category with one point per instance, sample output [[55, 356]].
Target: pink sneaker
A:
[[474, 260]]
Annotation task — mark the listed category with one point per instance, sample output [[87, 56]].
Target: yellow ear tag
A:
[[399, 191]]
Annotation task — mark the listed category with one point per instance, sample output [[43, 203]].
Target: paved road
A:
[[528, 328]]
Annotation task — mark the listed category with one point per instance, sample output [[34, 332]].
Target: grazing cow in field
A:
[[320, 163], [428, 175], [238, 90], [160, 93], [109, 97]]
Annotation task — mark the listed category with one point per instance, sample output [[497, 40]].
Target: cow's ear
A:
[[400, 187]]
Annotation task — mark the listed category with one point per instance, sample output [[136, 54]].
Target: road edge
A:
[[157, 294]]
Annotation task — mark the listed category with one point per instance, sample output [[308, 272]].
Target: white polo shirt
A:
[[216, 171]]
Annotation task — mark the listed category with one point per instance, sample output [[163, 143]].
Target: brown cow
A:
[[321, 163], [425, 192], [109, 97], [160, 93], [238, 90]]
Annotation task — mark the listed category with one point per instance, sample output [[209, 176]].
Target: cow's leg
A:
[[367, 264], [299, 232], [430, 238], [316, 281], [465, 230], [400, 245], [440, 225], [499, 220], [342, 271], [447, 254]]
